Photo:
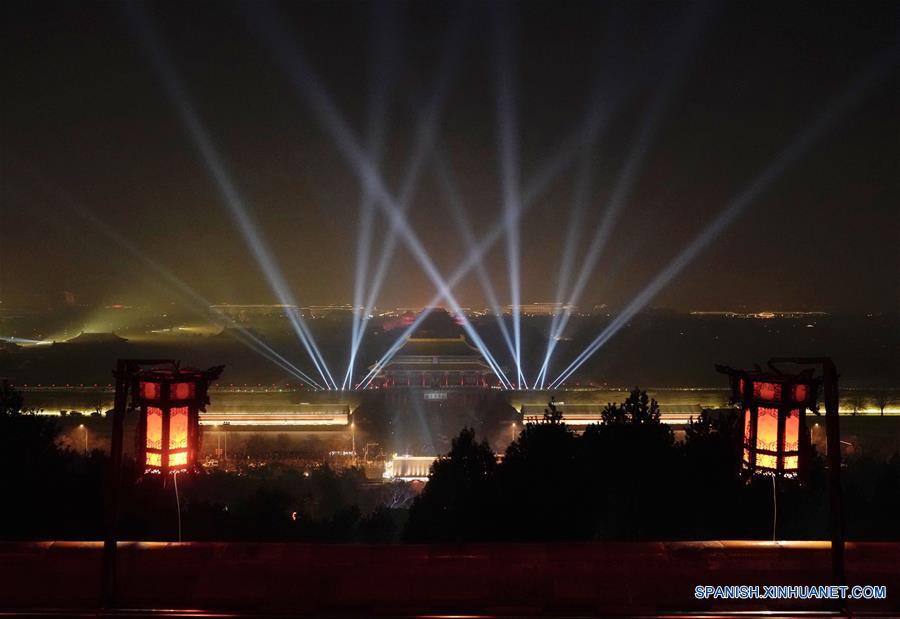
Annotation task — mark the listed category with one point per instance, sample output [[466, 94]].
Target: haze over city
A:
[[701, 100]]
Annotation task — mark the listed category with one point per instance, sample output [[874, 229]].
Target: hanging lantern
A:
[[169, 402], [773, 408]]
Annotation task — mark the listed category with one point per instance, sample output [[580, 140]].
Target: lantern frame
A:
[[177, 396], [785, 397]]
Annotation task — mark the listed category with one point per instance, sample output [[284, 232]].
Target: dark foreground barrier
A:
[[484, 579]]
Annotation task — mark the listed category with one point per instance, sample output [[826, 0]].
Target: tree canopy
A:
[[626, 478]]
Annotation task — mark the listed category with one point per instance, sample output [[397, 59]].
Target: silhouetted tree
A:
[[331, 492], [382, 525], [552, 415], [457, 502], [622, 479], [540, 483], [872, 498], [857, 403], [881, 400], [266, 513], [257, 446], [48, 492], [24, 436], [11, 400], [710, 473], [633, 460], [637, 408]]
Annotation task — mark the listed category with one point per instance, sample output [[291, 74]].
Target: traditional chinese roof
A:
[[437, 353], [86, 337], [437, 346]]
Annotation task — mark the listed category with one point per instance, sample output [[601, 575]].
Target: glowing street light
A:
[[353, 438], [83, 427]]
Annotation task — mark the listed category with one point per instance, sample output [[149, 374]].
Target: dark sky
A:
[[89, 134]]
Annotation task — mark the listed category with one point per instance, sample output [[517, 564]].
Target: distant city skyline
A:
[[535, 308]]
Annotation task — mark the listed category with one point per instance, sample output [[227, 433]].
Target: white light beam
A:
[[797, 148]]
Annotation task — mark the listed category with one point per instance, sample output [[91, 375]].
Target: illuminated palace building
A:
[[436, 363], [433, 387]]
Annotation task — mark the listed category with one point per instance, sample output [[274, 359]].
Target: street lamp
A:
[[353, 438], [83, 427]]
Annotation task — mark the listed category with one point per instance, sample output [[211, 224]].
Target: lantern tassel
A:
[[774, 510], [177, 503]]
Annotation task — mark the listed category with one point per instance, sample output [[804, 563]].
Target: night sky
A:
[[89, 135]]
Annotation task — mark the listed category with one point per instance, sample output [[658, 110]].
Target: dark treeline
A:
[[627, 479], [53, 492], [624, 479]]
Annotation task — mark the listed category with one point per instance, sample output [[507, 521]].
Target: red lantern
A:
[[773, 408], [169, 402]]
